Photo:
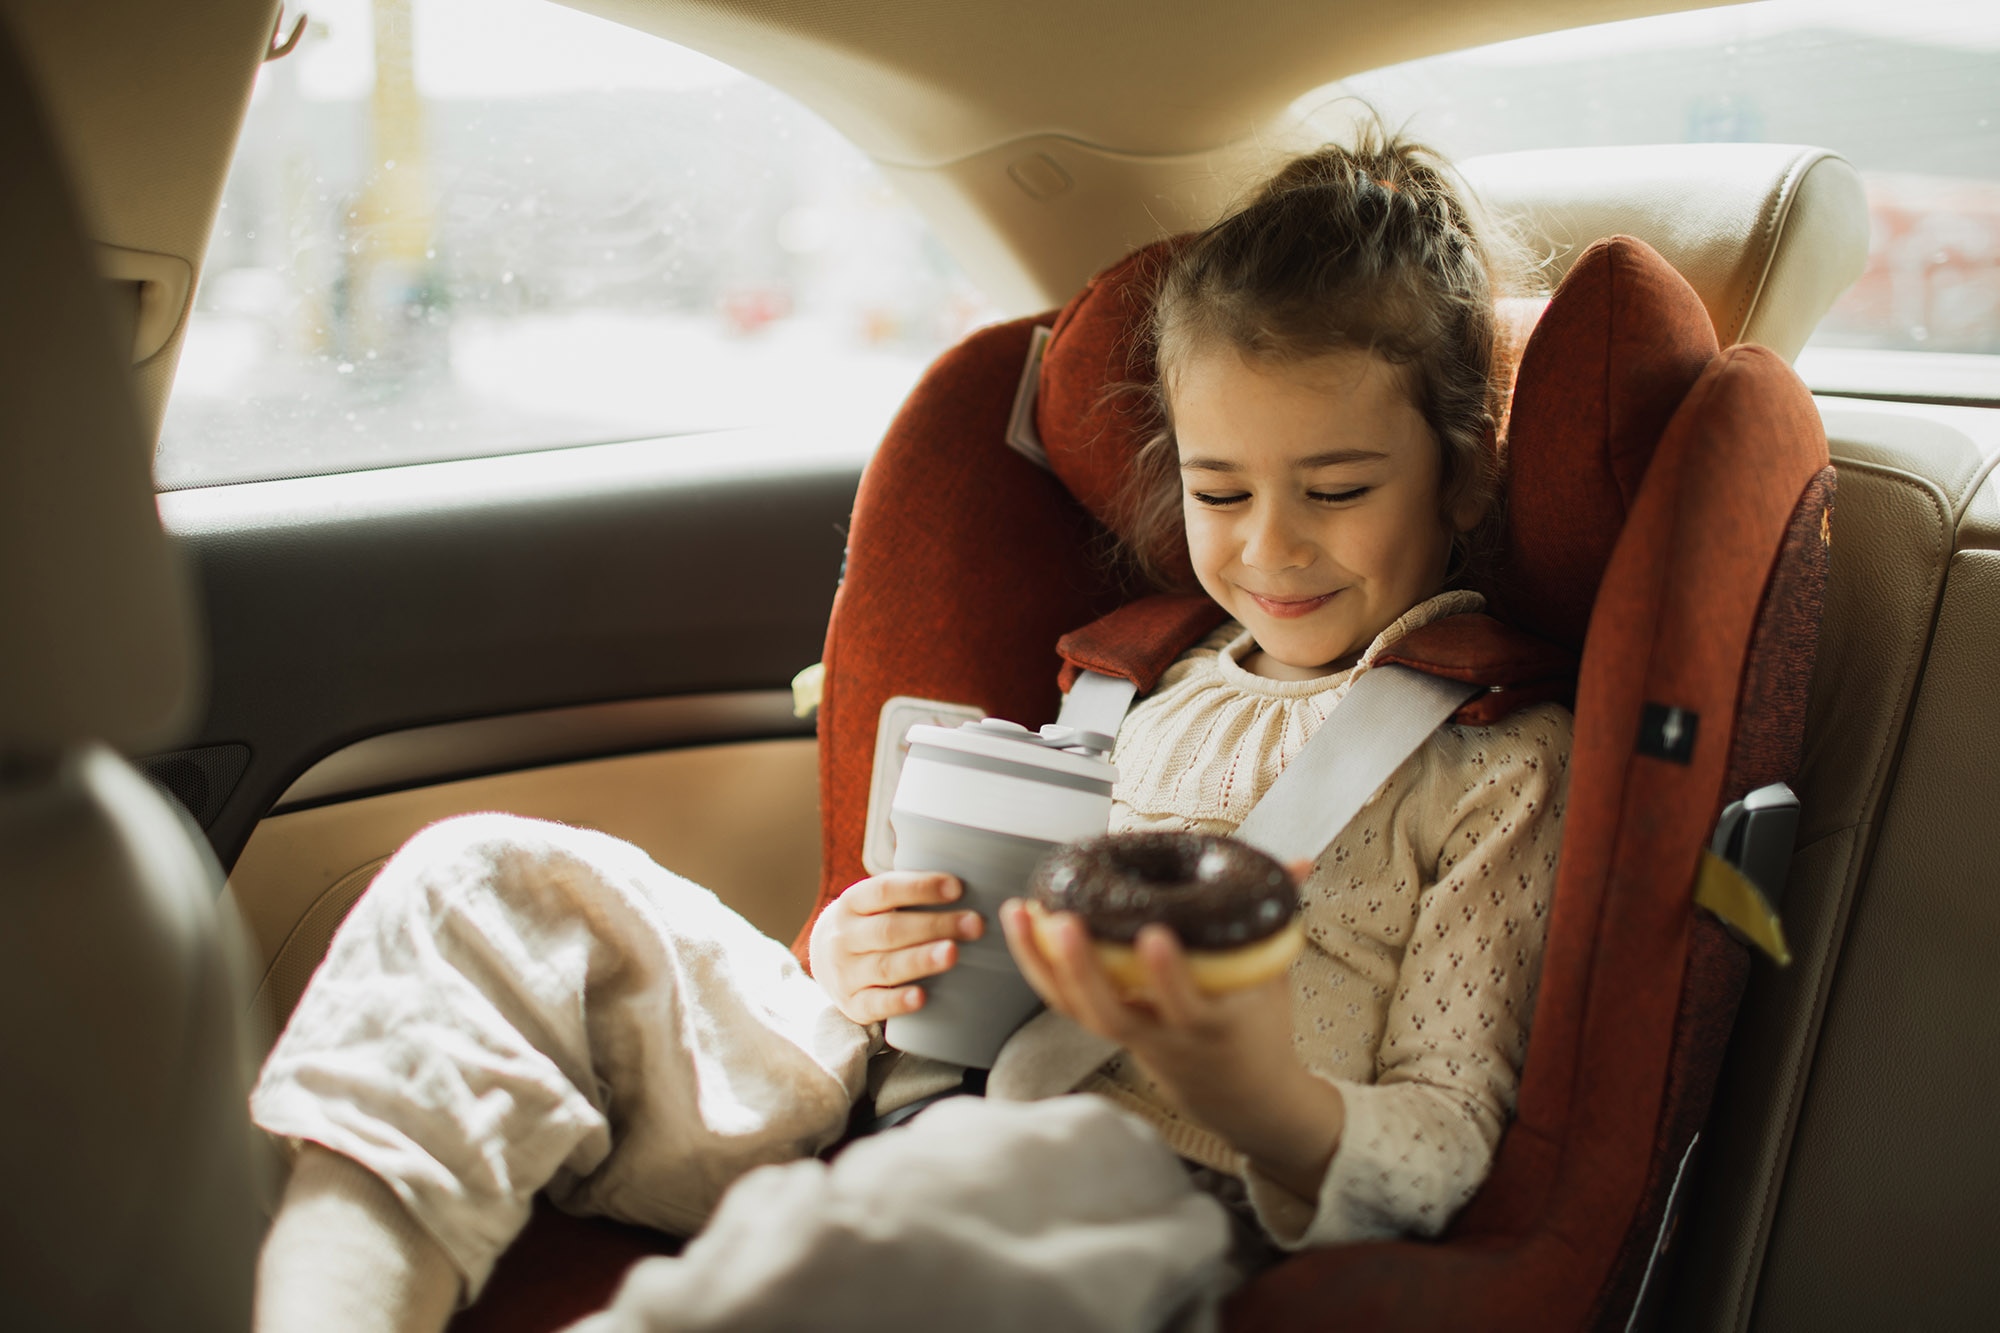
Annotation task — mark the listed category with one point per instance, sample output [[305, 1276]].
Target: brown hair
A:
[[1369, 248]]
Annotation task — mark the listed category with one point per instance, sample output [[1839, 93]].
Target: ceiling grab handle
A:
[[277, 50]]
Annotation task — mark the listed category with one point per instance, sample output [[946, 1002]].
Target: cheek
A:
[[1209, 544], [1399, 546]]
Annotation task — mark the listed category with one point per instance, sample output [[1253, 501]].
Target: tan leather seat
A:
[[1851, 1165], [126, 1160], [1768, 234]]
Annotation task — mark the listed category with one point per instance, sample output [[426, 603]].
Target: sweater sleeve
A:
[[1420, 1138]]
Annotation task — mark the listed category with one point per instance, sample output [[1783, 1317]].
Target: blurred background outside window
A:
[[464, 227], [469, 227], [1908, 92]]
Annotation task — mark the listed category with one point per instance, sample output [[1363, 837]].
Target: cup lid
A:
[[1061, 749]]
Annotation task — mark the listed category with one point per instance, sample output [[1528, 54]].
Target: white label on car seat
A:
[[1022, 435], [878, 848]]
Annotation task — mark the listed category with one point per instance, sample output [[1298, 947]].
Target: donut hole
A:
[[1162, 863]]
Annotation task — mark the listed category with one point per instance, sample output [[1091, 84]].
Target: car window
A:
[[466, 227], [1909, 92]]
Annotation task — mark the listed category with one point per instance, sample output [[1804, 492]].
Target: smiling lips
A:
[[1291, 608]]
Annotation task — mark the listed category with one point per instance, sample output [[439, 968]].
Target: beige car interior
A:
[[1850, 1151], [122, 1096]]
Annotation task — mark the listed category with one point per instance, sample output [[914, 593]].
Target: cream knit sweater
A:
[[1424, 923]]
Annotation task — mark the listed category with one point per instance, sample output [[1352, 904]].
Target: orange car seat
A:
[[1668, 507], [1668, 523]]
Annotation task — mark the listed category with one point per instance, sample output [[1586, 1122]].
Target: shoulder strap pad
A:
[[1515, 668], [1139, 640]]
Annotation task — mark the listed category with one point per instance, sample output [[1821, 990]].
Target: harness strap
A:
[[1380, 722], [1096, 702]]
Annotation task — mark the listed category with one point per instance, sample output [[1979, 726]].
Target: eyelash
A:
[[1214, 501]]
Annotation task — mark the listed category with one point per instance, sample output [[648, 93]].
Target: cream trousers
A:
[[516, 1006]]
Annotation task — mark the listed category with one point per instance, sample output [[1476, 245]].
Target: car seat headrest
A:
[[1767, 234], [97, 640], [1620, 343], [1092, 410]]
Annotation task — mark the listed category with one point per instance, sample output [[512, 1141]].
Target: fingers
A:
[[1046, 973], [878, 1004], [1177, 1000], [1068, 975], [898, 966], [1092, 999], [1062, 965], [1027, 951], [904, 888], [887, 931], [866, 949]]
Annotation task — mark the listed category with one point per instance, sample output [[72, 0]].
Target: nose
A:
[[1273, 541]]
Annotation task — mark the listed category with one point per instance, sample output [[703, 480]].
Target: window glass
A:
[[465, 227], [1910, 93]]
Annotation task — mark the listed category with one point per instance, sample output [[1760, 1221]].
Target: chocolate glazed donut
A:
[[1234, 909]]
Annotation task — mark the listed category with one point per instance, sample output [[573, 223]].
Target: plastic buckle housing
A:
[[1756, 835]]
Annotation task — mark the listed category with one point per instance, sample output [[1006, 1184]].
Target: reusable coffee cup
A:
[[984, 802]]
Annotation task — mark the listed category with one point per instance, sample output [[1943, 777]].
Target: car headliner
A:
[[917, 83], [1043, 138]]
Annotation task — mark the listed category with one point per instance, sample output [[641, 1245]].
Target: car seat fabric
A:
[[1768, 748], [1093, 408], [1578, 444], [1139, 640], [965, 562]]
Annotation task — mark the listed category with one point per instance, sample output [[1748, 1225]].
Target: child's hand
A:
[[865, 953], [1227, 1059]]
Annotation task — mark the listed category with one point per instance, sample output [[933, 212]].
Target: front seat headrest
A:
[[97, 642], [1768, 235]]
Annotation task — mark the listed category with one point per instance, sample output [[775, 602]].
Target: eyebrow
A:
[[1330, 458]]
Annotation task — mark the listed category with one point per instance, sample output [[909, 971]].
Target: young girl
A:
[[516, 1006]]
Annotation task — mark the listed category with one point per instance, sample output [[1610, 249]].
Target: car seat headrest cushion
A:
[[1623, 340], [1093, 409], [1607, 363]]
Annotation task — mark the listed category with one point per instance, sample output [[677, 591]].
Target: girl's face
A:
[[1310, 492]]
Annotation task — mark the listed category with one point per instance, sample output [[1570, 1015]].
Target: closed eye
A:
[[1338, 497], [1216, 500]]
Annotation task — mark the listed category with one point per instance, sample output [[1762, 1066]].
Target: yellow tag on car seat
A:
[[1727, 892]]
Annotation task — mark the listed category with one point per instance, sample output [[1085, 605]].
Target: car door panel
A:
[[602, 636], [343, 608], [741, 819]]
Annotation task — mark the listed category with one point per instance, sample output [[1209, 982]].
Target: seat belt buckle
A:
[[1742, 875]]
